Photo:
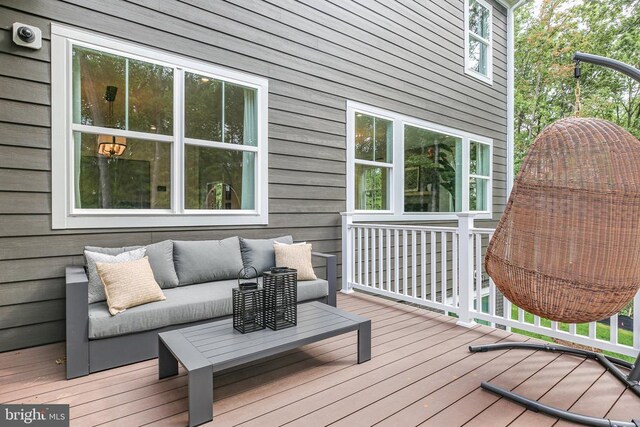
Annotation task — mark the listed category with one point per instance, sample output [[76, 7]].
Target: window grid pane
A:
[[478, 194], [478, 56], [138, 178], [479, 19], [118, 92], [479, 161], [373, 138], [372, 187], [219, 179]]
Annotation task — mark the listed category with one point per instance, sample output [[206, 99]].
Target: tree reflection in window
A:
[[432, 171]]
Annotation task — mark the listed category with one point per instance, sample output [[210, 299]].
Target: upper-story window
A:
[[143, 138], [478, 40], [403, 168]]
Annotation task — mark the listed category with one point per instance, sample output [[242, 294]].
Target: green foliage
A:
[[603, 332], [546, 40]]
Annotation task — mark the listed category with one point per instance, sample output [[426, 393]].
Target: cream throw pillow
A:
[[298, 256], [128, 284]]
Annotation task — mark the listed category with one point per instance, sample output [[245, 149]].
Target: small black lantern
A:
[[280, 298], [248, 303]]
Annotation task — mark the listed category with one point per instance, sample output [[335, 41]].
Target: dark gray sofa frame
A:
[[85, 356]]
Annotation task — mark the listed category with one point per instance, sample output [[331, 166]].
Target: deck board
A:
[[421, 373]]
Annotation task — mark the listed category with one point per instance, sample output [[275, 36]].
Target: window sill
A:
[[484, 79], [120, 220]]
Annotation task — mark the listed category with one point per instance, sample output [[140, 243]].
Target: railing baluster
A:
[[492, 290], [380, 258], [414, 263], [388, 259], [423, 264], [443, 267], [366, 257], [372, 266], [636, 321], [360, 281], [478, 267], [507, 311], [592, 330], [492, 297], [455, 285], [353, 255], [432, 248], [405, 260], [396, 261], [572, 328], [613, 324]]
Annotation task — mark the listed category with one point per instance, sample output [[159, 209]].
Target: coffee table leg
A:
[[167, 363], [200, 395], [364, 341]]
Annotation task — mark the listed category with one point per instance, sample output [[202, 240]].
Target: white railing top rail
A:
[[482, 230], [405, 227]]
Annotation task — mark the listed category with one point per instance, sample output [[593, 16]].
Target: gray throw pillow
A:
[[207, 260], [259, 253], [160, 258], [96, 289]]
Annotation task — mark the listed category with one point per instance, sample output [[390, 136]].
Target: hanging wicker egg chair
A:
[[567, 247]]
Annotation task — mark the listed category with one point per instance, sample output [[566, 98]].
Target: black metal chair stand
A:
[[632, 381]]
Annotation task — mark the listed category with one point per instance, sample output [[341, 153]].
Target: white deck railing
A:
[[442, 268]]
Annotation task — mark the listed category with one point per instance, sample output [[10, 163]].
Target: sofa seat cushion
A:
[[184, 304]]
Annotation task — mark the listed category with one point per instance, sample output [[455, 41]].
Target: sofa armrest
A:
[[77, 321], [331, 275]]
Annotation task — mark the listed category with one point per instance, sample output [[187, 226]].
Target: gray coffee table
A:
[[212, 347]]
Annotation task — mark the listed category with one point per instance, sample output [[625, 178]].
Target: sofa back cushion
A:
[[111, 251], [160, 258], [96, 288], [259, 253], [207, 260]]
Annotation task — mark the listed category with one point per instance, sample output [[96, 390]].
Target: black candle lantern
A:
[[280, 298], [248, 303]]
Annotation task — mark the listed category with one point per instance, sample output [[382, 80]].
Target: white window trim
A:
[[65, 215], [397, 172], [467, 35]]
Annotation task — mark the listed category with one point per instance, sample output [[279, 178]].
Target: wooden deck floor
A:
[[421, 374]]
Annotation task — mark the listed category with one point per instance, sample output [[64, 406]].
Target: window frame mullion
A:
[[177, 159]]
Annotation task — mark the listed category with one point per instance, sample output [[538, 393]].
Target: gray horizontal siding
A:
[[405, 56]]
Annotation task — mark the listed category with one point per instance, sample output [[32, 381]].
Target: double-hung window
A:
[[144, 138], [478, 40], [373, 161], [403, 168]]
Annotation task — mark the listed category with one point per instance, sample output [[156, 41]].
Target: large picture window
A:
[[143, 138], [478, 40], [404, 168]]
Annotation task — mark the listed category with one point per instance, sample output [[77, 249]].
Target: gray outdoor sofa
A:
[[201, 276]]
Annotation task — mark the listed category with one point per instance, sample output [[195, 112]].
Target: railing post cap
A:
[[346, 213]]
